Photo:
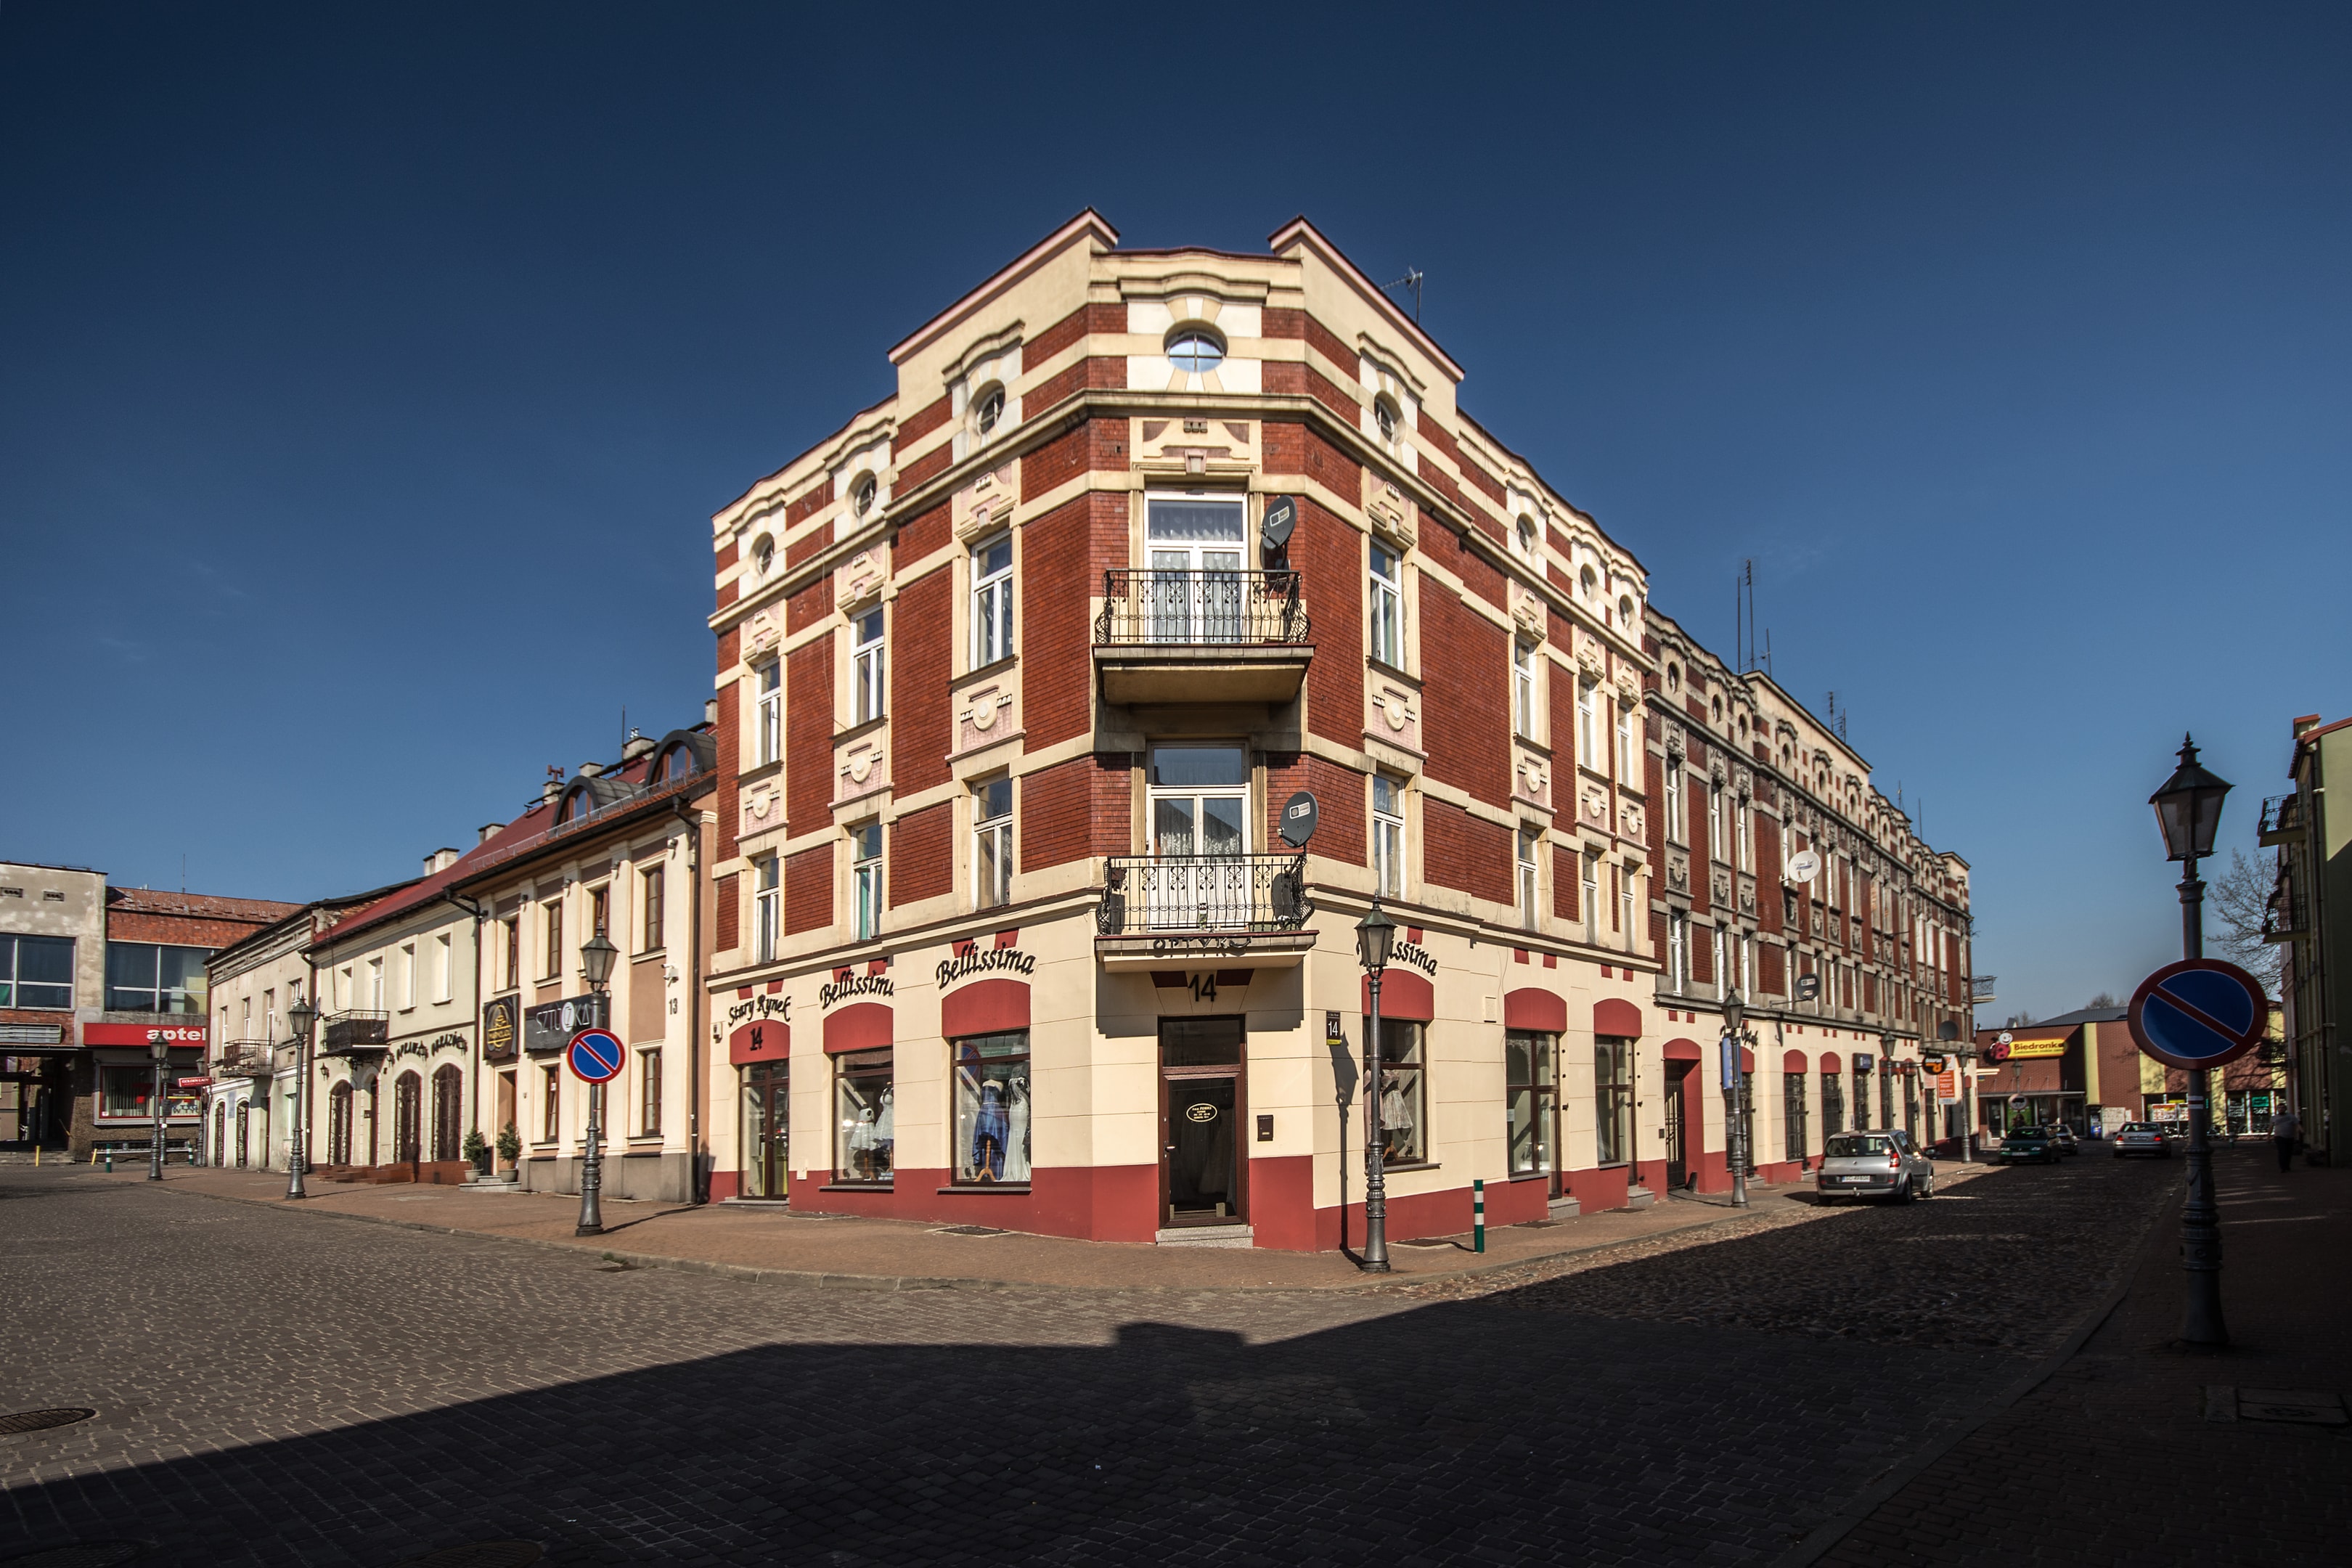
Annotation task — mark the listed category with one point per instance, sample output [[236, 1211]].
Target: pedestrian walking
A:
[[2286, 1135]]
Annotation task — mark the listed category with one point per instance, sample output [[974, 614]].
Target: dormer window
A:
[[861, 500], [1195, 352], [990, 409]]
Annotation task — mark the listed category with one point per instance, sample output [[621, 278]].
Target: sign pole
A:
[[2201, 1216], [592, 1169]]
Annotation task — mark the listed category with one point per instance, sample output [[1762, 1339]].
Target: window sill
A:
[[867, 727], [993, 667], [649, 952], [759, 771], [1009, 1189], [1387, 1170], [1383, 667], [857, 1187]]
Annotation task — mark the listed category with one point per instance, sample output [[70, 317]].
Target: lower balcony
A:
[[1240, 911], [1171, 636], [246, 1058], [357, 1032]]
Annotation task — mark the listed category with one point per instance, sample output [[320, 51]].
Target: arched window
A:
[[1384, 418], [677, 762], [1195, 350], [448, 1110], [763, 556], [861, 500], [990, 410], [407, 1120], [338, 1124], [1527, 536]]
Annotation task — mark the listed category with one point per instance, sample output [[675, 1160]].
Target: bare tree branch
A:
[[2238, 898]]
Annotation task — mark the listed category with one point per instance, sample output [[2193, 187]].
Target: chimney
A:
[[710, 711], [589, 770], [554, 785], [440, 860], [636, 746], [489, 831]]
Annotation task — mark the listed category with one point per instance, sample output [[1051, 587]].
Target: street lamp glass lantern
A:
[[302, 1016], [1375, 935], [2189, 807], [156, 1047], [1734, 1009], [596, 955]]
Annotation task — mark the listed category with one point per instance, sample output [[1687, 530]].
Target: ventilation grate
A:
[[41, 1420]]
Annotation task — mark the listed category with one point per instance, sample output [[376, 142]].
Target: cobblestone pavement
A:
[[275, 1387], [2137, 1452]]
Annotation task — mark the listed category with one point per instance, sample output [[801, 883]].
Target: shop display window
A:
[[126, 1094], [865, 1109], [1528, 1081], [1404, 1105], [1612, 1097], [992, 1109], [1832, 1104]]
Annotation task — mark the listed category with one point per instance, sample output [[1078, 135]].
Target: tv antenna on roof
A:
[[1411, 279]]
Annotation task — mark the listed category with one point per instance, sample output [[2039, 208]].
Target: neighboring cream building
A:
[[1015, 687]]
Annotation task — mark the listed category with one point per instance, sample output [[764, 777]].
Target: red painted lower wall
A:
[[1599, 1189], [725, 1184], [1102, 1203]]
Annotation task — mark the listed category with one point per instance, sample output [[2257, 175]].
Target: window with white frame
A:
[[1675, 828], [1588, 727], [767, 909], [1626, 761], [1748, 963], [1718, 843], [1678, 951], [1388, 836], [375, 985], [1592, 891], [1627, 877], [1722, 961], [551, 952], [772, 710], [1523, 689], [865, 878], [992, 600], [1739, 835], [442, 967], [1388, 608], [408, 975], [991, 844], [866, 668], [649, 1094], [1530, 845]]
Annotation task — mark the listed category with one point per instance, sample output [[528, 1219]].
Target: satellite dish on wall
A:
[[1804, 866], [1299, 815], [1281, 517]]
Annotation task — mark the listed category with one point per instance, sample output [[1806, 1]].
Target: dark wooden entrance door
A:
[[407, 1120], [1678, 1076], [339, 1125], [1201, 1163]]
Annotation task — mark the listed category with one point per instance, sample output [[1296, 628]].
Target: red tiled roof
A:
[[195, 906], [425, 889]]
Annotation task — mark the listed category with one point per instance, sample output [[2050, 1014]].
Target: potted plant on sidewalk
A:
[[476, 1151], [510, 1151]]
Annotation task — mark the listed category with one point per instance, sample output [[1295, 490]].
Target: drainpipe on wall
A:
[[698, 1187]]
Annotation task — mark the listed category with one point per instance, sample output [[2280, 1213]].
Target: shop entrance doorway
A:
[[1200, 1108], [1678, 1074], [767, 1131], [407, 1118]]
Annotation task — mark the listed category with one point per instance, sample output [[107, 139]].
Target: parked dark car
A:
[[2024, 1145]]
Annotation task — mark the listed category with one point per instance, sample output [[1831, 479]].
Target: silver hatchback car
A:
[[1883, 1164]]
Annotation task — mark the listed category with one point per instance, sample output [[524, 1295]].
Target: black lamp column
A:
[[2189, 810], [596, 955], [302, 1015], [1734, 1094], [160, 1053], [1375, 935]]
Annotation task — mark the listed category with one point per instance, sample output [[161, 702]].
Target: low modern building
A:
[[2311, 915], [91, 976], [1076, 703]]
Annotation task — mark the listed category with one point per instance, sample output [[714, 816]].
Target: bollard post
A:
[[1478, 1214], [110, 1162]]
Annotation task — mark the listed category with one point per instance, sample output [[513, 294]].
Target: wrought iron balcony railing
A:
[[1151, 606], [1155, 895], [359, 1029], [246, 1058], [1981, 990], [2288, 914], [2281, 819]]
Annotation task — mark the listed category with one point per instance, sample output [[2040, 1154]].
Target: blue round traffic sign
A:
[[2199, 1012], [595, 1055]]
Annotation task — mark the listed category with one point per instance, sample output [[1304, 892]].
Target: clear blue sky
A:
[[366, 382]]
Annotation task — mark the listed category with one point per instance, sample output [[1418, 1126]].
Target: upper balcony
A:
[[1244, 912], [356, 1031], [2282, 820], [1201, 637]]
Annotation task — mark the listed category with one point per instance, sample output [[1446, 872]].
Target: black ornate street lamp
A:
[[2189, 810], [160, 1053], [302, 1016], [596, 955], [1734, 1094], [1375, 936]]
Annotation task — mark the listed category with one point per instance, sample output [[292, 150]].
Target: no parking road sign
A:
[[595, 1055], [2199, 1012]]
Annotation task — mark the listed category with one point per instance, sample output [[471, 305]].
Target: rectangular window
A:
[[551, 1083], [991, 601], [375, 985], [867, 1122], [866, 668], [1195, 584], [992, 1110], [1626, 761], [1747, 964], [1388, 608], [1523, 689], [127, 1094], [865, 878], [991, 844], [1588, 727], [140, 976], [600, 910], [37, 971], [551, 952], [443, 970], [649, 1093], [408, 975], [1675, 828], [1591, 889], [650, 886], [1678, 951], [1404, 1104], [513, 951], [1388, 836], [772, 710], [1740, 837], [269, 1014], [767, 909], [1718, 841], [1529, 1083], [1628, 877], [1722, 963], [1530, 843], [1612, 1097], [1832, 1104], [1792, 1115]]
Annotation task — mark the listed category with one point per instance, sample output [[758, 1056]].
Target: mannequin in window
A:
[[861, 1145], [1017, 1132], [989, 1131], [1401, 1137], [886, 1135]]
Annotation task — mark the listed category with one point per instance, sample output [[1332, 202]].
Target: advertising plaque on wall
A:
[[501, 1028], [548, 1028]]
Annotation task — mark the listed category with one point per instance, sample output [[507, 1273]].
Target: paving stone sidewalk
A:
[[2137, 1451], [841, 1251]]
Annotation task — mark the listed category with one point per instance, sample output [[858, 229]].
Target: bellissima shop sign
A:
[[854, 986], [980, 960]]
